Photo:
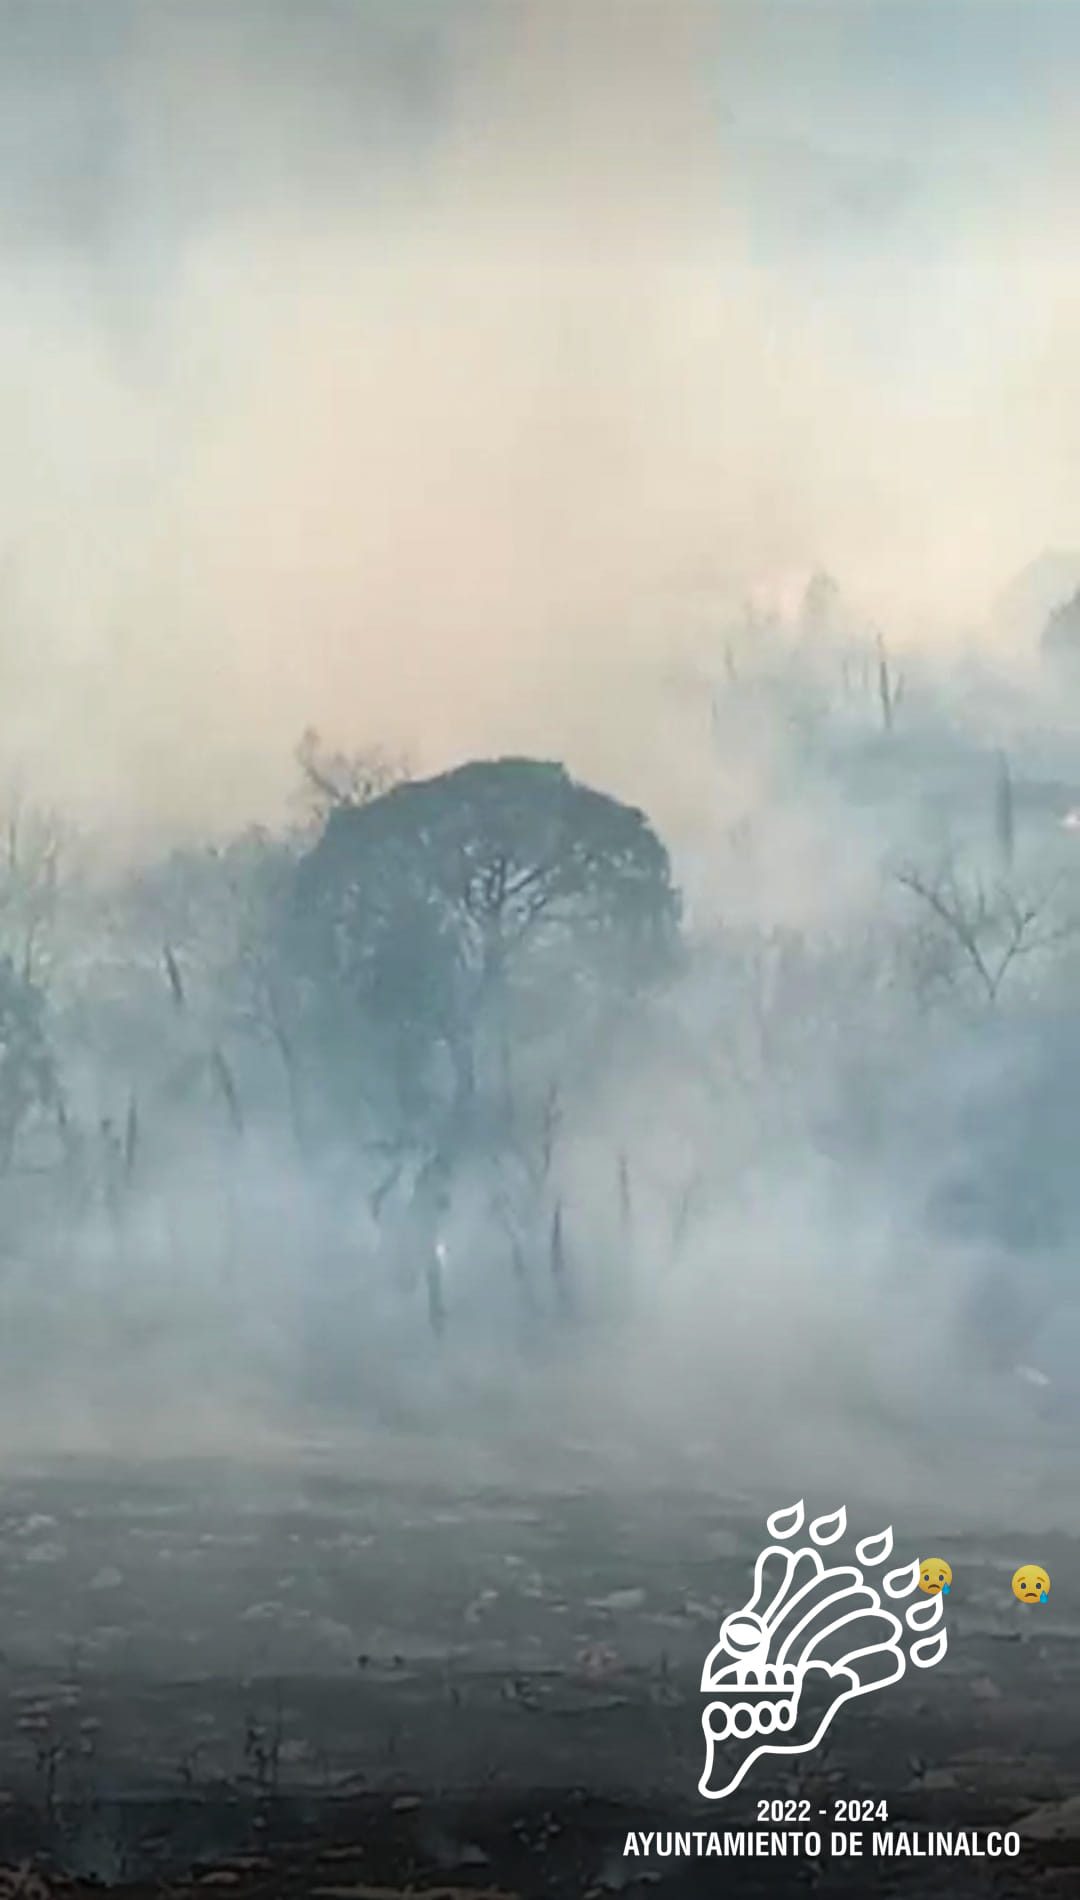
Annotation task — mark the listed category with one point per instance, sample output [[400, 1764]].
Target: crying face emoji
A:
[[1031, 1584], [935, 1577]]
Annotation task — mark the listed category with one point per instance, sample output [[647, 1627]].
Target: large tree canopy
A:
[[499, 899]]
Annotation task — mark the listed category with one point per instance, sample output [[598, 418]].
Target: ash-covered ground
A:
[[318, 1679]]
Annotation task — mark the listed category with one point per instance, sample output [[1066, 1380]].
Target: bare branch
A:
[[339, 779], [992, 929]]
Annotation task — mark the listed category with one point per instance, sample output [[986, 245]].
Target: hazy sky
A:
[[400, 369]]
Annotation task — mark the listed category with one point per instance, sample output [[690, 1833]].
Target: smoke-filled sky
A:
[[410, 370]]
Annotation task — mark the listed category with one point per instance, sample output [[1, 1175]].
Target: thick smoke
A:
[[421, 373], [481, 381]]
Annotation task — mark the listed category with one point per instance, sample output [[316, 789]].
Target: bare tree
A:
[[332, 780], [890, 686], [28, 1079], [33, 841], [990, 926], [1004, 815]]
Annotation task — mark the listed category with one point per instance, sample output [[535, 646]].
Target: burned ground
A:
[[298, 1681]]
